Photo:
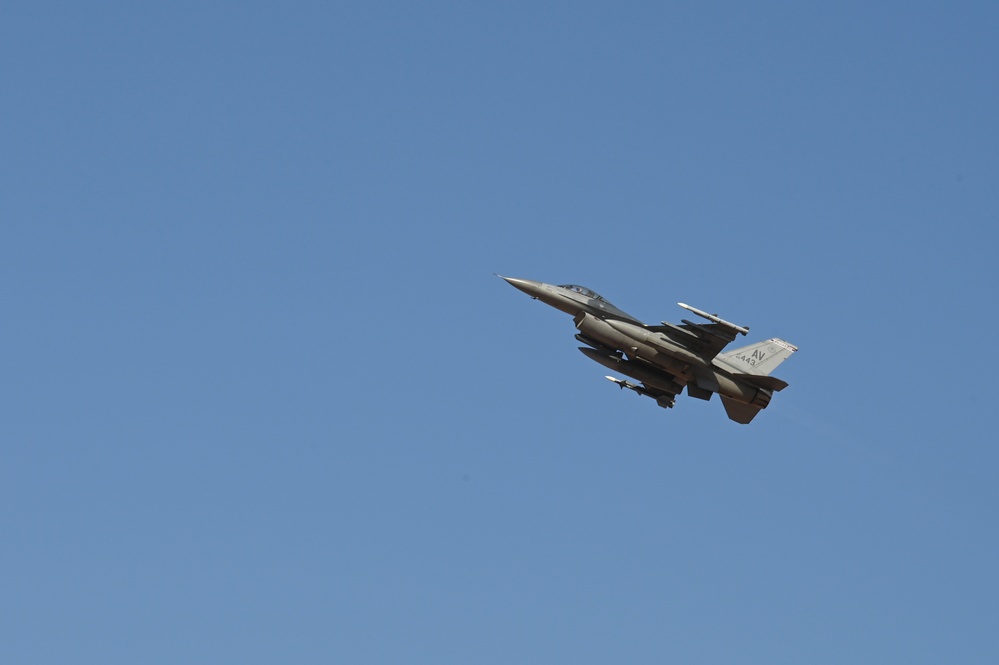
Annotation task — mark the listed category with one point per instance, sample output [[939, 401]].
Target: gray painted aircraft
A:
[[667, 358]]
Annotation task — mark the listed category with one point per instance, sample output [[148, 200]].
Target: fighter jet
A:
[[667, 358]]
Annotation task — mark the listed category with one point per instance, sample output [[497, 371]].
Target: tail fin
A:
[[760, 358]]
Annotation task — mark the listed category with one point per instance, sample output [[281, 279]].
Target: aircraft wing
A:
[[705, 339]]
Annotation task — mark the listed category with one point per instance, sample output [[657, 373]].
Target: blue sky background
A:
[[264, 401]]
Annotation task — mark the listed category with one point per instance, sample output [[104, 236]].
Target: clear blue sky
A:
[[264, 401]]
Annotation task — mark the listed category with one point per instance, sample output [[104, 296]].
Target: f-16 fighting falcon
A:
[[667, 358]]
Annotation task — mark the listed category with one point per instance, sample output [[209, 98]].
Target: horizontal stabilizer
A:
[[768, 382], [739, 411]]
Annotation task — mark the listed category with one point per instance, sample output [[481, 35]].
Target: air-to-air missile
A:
[[714, 318]]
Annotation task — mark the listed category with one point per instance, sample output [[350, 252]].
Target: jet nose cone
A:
[[528, 286], [519, 283]]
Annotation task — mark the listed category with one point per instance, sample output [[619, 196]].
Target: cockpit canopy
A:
[[582, 290]]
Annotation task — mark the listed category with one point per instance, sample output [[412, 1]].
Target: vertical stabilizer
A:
[[760, 358]]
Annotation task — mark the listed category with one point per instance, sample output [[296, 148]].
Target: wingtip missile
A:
[[714, 318]]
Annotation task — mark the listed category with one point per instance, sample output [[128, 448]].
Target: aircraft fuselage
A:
[[668, 358]]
